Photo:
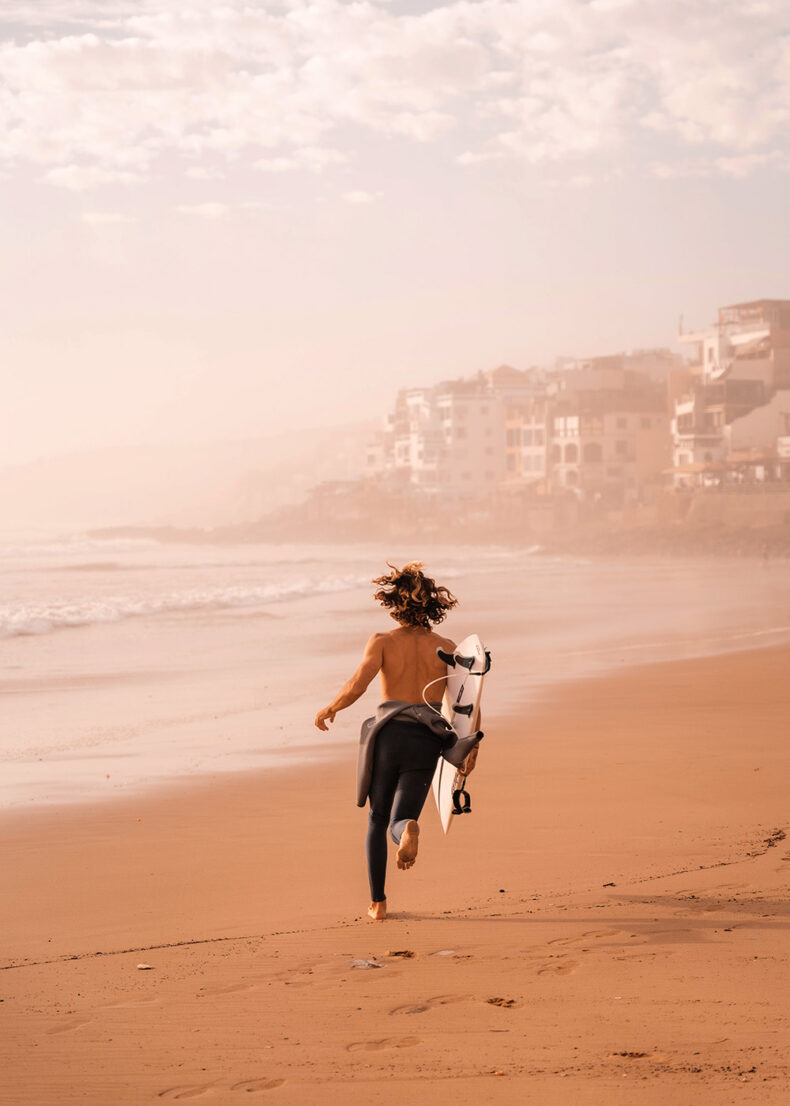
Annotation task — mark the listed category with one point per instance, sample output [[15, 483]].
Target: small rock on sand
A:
[[364, 964], [145, 967]]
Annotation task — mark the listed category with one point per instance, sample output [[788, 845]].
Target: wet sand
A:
[[610, 925]]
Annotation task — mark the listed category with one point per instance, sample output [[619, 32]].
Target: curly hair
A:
[[412, 598]]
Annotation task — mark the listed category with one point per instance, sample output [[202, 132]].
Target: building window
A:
[[614, 471], [538, 437], [622, 422], [621, 448], [556, 454], [571, 477], [460, 432], [526, 437], [511, 462], [571, 453]]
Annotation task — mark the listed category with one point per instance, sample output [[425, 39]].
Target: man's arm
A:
[[357, 685], [470, 762]]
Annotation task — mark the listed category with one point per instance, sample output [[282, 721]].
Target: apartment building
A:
[[451, 438], [756, 443], [608, 445], [738, 365], [527, 432]]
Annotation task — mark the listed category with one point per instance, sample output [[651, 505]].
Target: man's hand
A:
[[469, 763], [324, 716]]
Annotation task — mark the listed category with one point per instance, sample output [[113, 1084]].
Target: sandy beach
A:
[[609, 926]]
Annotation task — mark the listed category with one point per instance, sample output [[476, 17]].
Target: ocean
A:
[[127, 664]]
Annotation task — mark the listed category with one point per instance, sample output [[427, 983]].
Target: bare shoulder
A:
[[445, 643]]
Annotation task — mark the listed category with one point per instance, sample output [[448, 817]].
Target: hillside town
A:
[[651, 436], [607, 428], [651, 450]]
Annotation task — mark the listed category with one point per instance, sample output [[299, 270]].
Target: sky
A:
[[220, 220]]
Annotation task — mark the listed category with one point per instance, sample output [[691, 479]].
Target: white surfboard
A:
[[461, 708]]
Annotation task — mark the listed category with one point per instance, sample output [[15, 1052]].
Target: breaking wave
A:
[[42, 618]]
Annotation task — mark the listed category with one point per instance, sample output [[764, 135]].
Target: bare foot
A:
[[378, 910], [409, 843]]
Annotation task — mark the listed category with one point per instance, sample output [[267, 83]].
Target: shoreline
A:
[[298, 757]]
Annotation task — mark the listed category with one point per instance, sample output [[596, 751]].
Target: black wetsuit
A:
[[404, 761]]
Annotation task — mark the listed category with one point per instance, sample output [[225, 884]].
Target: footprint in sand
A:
[[563, 966], [505, 1003], [388, 1042], [192, 1091], [587, 935], [428, 1004], [230, 989], [132, 1004], [253, 1085], [68, 1025], [410, 1008]]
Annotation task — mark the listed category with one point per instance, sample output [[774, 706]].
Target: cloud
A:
[[313, 158], [205, 211], [746, 164], [204, 172], [79, 178], [105, 218], [106, 90], [478, 157], [360, 197]]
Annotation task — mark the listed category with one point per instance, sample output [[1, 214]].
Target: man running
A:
[[401, 746]]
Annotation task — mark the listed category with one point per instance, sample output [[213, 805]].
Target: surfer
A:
[[398, 768]]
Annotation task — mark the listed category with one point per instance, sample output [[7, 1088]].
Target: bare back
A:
[[409, 662]]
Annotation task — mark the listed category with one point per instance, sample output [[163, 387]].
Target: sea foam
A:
[[44, 617]]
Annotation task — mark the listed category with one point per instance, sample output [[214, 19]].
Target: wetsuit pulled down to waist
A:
[[404, 761]]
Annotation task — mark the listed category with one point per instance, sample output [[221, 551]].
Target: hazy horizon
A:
[[220, 220]]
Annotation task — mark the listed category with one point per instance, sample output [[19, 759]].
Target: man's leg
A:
[[382, 790], [410, 796]]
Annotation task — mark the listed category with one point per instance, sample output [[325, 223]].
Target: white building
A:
[[450, 438], [527, 431], [472, 441]]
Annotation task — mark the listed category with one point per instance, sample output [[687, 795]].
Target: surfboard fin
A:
[[468, 662], [446, 658]]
